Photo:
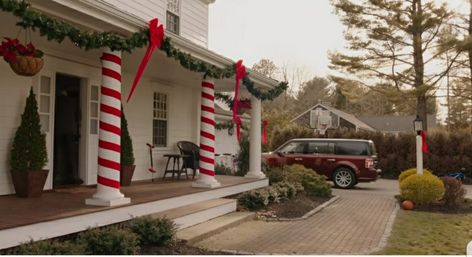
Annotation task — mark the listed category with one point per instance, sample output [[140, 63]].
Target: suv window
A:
[[320, 148], [295, 148], [352, 148]]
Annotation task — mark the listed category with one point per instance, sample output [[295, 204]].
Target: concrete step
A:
[[201, 231], [193, 214]]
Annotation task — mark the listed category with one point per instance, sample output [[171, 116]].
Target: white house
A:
[[165, 109]]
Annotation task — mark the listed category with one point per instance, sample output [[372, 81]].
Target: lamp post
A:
[[418, 125]]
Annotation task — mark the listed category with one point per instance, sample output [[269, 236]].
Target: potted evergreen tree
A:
[[127, 156], [28, 153]]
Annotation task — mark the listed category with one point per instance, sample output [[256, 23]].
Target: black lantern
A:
[[418, 125]]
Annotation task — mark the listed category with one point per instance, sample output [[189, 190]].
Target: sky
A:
[[293, 33]]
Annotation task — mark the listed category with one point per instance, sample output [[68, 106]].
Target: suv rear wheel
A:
[[344, 178]]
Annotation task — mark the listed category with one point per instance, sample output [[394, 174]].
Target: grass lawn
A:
[[424, 233]]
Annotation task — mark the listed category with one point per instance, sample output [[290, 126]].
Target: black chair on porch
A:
[[190, 155]]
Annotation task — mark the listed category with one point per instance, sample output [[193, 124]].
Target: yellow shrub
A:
[[422, 189], [409, 172]]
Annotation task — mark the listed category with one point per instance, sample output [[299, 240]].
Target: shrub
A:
[[422, 189], [221, 169], [154, 231], [28, 150], [313, 183], [127, 156], [405, 174], [109, 241], [275, 175], [49, 247], [454, 192], [242, 158], [254, 199]]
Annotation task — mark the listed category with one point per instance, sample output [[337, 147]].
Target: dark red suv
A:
[[344, 161]]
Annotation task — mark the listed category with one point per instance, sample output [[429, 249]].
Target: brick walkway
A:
[[354, 224]]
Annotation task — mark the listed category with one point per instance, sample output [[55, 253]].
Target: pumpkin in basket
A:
[[23, 60]]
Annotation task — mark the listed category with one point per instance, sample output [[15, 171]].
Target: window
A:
[[352, 148], [94, 102], [44, 103], [159, 122], [172, 16], [320, 148], [294, 148]]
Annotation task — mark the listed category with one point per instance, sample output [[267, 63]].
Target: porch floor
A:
[[68, 202]]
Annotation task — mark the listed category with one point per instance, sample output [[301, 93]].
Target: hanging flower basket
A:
[[23, 60], [244, 106]]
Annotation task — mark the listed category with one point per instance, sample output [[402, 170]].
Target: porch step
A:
[[193, 214], [201, 231]]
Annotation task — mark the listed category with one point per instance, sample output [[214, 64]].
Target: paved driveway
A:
[[354, 224]]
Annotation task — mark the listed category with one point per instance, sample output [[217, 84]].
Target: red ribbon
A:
[[156, 35], [264, 131], [240, 73], [424, 146]]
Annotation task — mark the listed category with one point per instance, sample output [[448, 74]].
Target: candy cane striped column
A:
[[207, 138], [109, 136]]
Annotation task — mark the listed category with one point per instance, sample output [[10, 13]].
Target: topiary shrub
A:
[[127, 156], [109, 241], [29, 144], [152, 231], [454, 192], [49, 247], [422, 189], [410, 172], [313, 183]]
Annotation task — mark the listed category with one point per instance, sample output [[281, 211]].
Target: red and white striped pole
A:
[[207, 138], [109, 136]]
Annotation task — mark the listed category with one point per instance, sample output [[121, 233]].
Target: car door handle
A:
[[298, 159], [331, 160]]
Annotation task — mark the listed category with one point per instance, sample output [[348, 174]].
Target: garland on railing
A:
[[56, 30], [224, 125]]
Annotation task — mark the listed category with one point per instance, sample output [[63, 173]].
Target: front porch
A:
[[62, 211]]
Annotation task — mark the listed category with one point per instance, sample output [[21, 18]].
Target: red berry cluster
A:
[[10, 48]]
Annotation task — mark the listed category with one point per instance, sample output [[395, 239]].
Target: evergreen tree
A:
[[29, 145], [393, 42], [127, 156]]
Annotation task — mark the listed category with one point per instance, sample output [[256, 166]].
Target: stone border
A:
[[388, 230], [308, 214]]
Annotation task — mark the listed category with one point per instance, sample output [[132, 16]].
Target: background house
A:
[[335, 118]]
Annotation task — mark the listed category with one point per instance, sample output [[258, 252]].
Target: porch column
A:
[[255, 143], [109, 136], [207, 138]]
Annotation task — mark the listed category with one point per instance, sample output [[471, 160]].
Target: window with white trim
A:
[[45, 103], [94, 103], [160, 119], [173, 16]]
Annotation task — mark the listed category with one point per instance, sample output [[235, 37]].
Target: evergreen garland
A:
[[224, 125], [29, 145], [127, 156], [55, 30]]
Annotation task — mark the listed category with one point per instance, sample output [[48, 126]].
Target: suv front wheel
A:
[[344, 178]]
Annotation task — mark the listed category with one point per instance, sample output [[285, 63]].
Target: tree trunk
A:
[[470, 49], [417, 31]]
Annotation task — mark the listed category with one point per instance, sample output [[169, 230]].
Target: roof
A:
[[349, 117], [396, 123]]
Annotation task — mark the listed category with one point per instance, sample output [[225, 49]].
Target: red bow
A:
[[156, 35], [424, 146], [264, 131], [240, 73]]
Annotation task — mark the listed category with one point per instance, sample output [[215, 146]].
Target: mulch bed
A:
[[291, 208], [440, 207]]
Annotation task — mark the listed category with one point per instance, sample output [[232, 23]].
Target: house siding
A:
[[193, 15]]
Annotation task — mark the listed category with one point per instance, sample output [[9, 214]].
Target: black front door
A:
[[67, 131]]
